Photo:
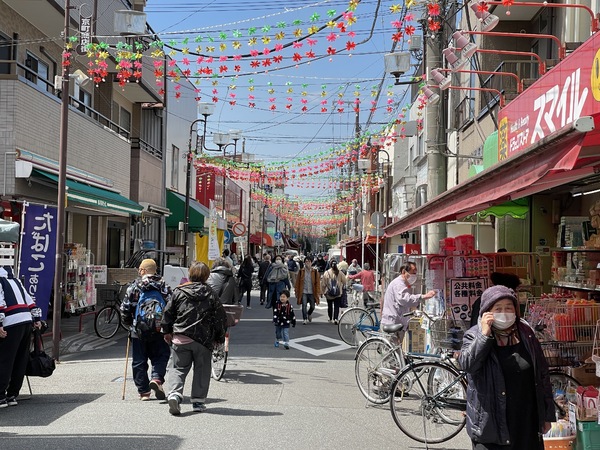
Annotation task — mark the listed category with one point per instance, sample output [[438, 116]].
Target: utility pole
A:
[[435, 139]]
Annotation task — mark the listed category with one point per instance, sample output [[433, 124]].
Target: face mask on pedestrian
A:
[[502, 321], [278, 260], [412, 278]]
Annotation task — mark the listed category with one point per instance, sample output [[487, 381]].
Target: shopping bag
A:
[[40, 364]]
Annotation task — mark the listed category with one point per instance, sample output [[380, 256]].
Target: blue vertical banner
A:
[[38, 250]]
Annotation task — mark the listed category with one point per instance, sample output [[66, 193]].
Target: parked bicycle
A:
[[108, 319], [356, 323]]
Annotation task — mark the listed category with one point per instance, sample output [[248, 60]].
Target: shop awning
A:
[[560, 158], [94, 196], [517, 209], [261, 238], [373, 239], [176, 203]]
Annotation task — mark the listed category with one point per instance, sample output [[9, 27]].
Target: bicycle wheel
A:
[[351, 323], [107, 322], [560, 382], [219, 361], [429, 402], [376, 364]]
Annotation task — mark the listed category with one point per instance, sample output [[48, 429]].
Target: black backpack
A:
[[333, 290], [148, 313]]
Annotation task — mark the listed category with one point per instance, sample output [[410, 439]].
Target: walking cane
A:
[[126, 363]]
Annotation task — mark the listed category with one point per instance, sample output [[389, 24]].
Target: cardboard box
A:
[[587, 403], [585, 374]]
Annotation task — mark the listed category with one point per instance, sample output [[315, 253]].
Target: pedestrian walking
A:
[[18, 312], [245, 279], [308, 289], [332, 285], [263, 267], [141, 311], [293, 268], [277, 279], [193, 323], [223, 283], [283, 317], [509, 396], [366, 277]]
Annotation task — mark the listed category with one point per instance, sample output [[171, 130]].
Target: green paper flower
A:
[[315, 17], [251, 31], [237, 34], [281, 25], [198, 39]]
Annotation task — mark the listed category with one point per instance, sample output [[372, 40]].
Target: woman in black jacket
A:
[[194, 321], [509, 396], [245, 276], [223, 282]]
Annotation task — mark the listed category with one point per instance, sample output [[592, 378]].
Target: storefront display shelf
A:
[[567, 285]]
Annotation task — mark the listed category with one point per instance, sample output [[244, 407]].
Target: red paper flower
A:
[[350, 45], [397, 37], [508, 2], [330, 51], [310, 54], [433, 9], [434, 25], [482, 7], [409, 30], [254, 64], [297, 57]]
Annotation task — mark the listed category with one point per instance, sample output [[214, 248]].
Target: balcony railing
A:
[[140, 144], [32, 78]]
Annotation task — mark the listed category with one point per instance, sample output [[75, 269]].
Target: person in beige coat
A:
[[308, 288], [332, 287]]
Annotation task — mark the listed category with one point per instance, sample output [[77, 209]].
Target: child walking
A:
[[283, 317]]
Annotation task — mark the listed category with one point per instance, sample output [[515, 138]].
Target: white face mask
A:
[[502, 321], [412, 278]]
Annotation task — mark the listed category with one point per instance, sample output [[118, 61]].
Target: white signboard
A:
[[213, 243]]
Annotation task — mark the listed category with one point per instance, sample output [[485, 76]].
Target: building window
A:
[[85, 102], [37, 71], [175, 167], [125, 122]]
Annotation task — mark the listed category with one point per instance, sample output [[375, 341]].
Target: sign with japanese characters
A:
[[462, 293], [85, 34], [567, 92], [38, 251]]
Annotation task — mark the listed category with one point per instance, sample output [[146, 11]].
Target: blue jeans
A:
[[157, 351], [282, 334], [307, 298]]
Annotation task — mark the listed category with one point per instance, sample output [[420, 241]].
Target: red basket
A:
[[234, 314]]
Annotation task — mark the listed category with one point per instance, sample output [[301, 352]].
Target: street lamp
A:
[[205, 109], [222, 141]]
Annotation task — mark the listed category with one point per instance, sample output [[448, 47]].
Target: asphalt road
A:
[[269, 398]]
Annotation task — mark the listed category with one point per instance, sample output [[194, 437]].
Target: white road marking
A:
[[336, 347]]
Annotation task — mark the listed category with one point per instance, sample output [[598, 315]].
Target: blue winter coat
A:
[[486, 401]]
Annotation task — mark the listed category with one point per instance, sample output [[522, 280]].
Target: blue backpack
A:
[[148, 313], [333, 290]]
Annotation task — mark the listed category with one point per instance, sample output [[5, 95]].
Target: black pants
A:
[[264, 288], [14, 356], [333, 308], [246, 288]]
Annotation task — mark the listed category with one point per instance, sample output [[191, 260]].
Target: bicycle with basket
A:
[[108, 318], [221, 351]]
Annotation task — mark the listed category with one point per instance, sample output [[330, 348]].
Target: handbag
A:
[[344, 299], [40, 364]]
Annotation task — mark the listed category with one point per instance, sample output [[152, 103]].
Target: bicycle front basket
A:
[[448, 333]]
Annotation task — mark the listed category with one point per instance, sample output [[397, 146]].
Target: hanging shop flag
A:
[[37, 255], [213, 242]]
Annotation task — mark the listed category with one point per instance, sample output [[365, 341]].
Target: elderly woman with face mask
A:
[[509, 397]]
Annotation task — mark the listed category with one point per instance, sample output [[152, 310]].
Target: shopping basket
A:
[[234, 314], [448, 333]]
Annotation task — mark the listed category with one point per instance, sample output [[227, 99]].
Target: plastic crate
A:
[[588, 436], [559, 443]]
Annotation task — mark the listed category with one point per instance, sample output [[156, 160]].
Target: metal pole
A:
[[61, 200], [224, 180], [377, 223], [188, 182], [249, 216]]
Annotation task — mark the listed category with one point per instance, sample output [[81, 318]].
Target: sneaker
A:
[[262, 302], [12, 401], [276, 344], [3, 404], [145, 396], [310, 318], [248, 307], [156, 386], [329, 320], [198, 407], [304, 322], [286, 346], [174, 407], [335, 322]]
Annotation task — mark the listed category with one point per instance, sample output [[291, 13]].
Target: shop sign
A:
[[565, 93], [37, 256], [462, 293]]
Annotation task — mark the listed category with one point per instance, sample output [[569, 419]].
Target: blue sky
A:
[[281, 135]]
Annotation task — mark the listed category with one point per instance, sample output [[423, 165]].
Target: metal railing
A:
[[137, 143]]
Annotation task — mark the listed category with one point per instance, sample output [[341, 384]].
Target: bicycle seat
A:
[[392, 328], [372, 304], [358, 287]]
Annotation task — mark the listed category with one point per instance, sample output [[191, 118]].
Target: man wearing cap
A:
[[509, 396], [152, 347]]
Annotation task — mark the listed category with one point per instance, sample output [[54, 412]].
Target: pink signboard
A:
[[565, 93]]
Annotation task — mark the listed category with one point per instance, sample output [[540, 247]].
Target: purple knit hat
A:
[[495, 293]]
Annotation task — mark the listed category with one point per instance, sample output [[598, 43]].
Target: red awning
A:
[[261, 238], [562, 157]]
